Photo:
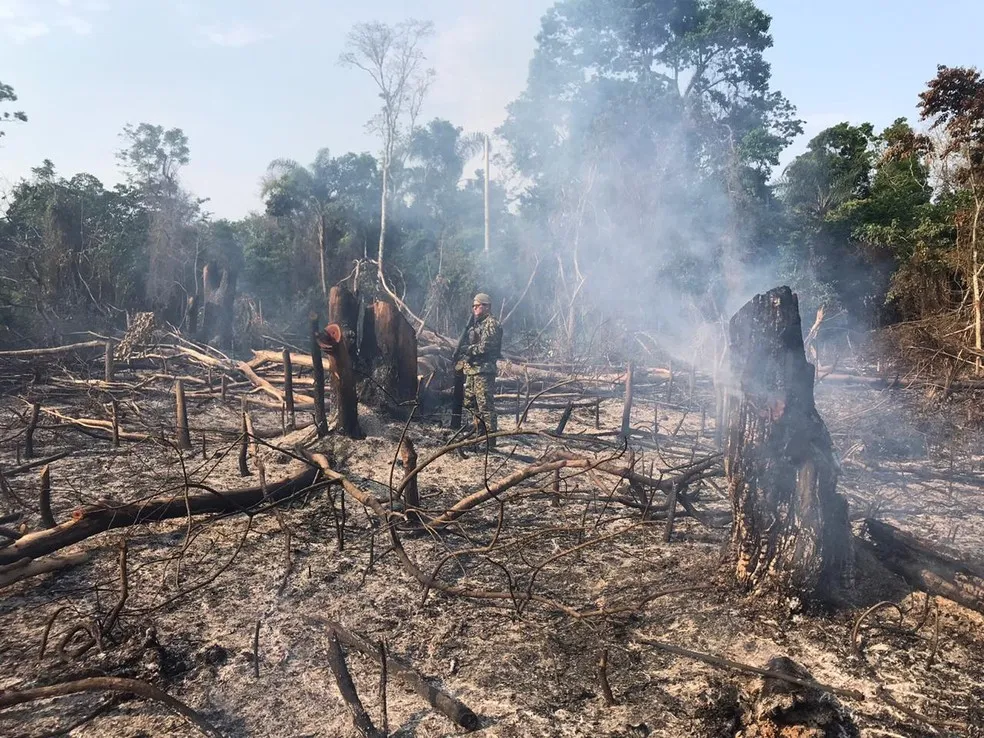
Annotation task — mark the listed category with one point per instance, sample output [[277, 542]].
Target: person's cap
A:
[[482, 299]]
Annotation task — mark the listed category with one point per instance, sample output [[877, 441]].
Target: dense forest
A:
[[636, 180]]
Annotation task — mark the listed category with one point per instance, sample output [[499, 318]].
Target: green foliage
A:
[[70, 245], [7, 95], [867, 232], [639, 163], [648, 131], [153, 155], [324, 211]]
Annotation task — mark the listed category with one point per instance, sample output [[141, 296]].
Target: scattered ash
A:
[[201, 590]]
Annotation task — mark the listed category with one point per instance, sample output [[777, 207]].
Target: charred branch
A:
[[441, 701], [89, 521]]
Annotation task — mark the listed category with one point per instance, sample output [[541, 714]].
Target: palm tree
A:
[[321, 195]]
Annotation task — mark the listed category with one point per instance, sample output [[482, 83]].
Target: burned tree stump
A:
[[181, 417], [411, 495], [393, 382], [332, 342], [790, 532], [219, 288]]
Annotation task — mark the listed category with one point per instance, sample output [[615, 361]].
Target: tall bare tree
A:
[[392, 56]]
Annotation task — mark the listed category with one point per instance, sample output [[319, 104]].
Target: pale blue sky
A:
[[254, 80]]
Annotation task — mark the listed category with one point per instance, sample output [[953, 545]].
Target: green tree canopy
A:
[[6, 116]]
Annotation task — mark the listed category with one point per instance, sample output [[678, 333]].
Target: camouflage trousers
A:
[[480, 401]]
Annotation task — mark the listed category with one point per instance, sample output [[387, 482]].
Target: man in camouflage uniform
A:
[[478, 359]]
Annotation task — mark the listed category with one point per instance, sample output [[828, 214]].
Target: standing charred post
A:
[[291, 420], [627, 405], [790, 532], [411, 495], [116, 423], [44, 502], [332, 341], [31, 426], [181, 417], [108, 369], [244, 440], [320, 417]]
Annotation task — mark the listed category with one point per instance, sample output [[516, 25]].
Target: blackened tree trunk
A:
[[332, 342], [406, 357], [343, 310], [393, 382], [219, 289], [320, 416], [791, 532]]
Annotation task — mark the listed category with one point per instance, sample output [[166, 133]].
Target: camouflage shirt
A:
[[484, 346]]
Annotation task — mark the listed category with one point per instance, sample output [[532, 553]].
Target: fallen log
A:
[[276, 357], [568, 461], [37, 462], [855, 379], [521, 371], [26, 568], [37, 353], [89, 521], [924, 566], [261, 383], [768, 673], [96, 424], [201, 357]]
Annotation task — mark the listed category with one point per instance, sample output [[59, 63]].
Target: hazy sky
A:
[[254, 80]]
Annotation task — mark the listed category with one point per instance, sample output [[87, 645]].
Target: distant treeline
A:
[[634, 181]]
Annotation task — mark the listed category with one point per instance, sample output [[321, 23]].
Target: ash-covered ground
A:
[[206, 594]]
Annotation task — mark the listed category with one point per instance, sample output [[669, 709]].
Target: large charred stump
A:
[[332, 342], [407, 375], [191, 314], [219, 298], [790, 532], [393, 380]]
